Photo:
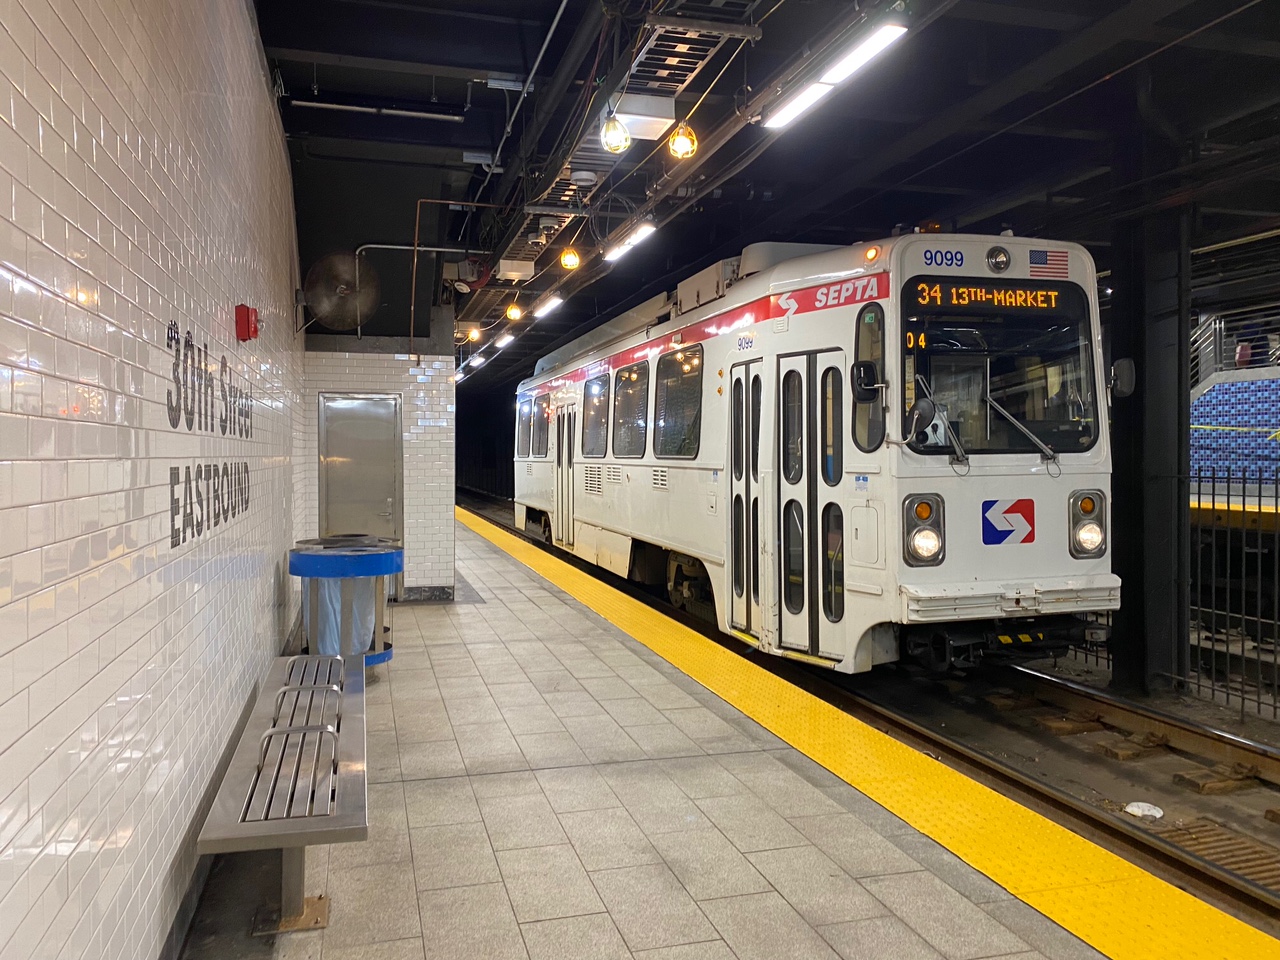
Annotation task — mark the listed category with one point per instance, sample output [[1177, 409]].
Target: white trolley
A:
[[853, 454]]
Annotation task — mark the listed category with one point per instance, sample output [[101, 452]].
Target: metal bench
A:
[[297, 778]]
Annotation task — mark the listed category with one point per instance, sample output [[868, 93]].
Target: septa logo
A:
[[1008, 521]]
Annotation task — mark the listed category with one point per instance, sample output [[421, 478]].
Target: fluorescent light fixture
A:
[[476, 361], [798, 104], [507, 81], [641, 231], [548, 305], [505, 340], [863, 53]]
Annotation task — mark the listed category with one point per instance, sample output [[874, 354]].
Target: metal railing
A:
[[1233, 647], [1207, 349], [1248, 338], [1231, 653]]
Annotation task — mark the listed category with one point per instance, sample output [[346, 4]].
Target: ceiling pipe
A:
[[409, 246], [511, 117], [551, 97], [379, 111]]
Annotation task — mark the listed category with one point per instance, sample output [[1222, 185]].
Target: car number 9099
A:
[[943, 258]]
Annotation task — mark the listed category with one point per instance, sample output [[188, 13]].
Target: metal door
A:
[[361, 465], [812, 411], [566, 431], [746, 413]]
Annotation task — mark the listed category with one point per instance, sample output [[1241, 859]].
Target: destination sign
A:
[[973, 296], [968, 294]]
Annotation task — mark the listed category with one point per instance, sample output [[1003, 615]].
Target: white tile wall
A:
[[144, 182], [427, 412]]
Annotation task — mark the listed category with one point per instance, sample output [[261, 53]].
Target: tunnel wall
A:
[[145, 455]]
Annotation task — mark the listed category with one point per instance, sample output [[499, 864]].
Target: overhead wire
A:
[[844, 211]]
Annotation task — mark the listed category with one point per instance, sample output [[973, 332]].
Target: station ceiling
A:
[[986, 115]]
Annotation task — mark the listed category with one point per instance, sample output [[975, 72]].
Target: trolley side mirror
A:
[[919, 416], [1124, 378], [866, 385]]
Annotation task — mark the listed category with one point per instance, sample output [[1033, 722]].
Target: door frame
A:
[[746, 611], [566, 418], [816, 492], [396, 586]]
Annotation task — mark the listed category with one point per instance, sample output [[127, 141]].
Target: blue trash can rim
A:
[[326, 563]]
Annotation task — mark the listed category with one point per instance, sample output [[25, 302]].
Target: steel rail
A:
[[1185, 735]]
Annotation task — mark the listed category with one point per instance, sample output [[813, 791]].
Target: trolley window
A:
[[832, 400], [524, 424], [677, 404], [541, 424], [595, 417], [793, 556], [833, 562], [793, 426], [1009, 365], [631, 410], [739, 546], [868, 418], [755, 549]]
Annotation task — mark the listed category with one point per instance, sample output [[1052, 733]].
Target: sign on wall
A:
[[204, 496]]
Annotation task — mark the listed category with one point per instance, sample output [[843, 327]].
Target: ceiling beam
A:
[[1039, 188], [1220, 41], [1073, 52], [415, 68], [398, 40]]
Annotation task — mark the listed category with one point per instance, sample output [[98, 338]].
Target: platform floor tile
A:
[[543, 786]]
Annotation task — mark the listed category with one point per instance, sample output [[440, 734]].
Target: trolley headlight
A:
[[1088, 519], [1089, 537], [923, 531], [925, 543]]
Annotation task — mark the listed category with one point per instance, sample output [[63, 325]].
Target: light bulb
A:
[[683, 142], [614, 135], [514, 312], [473, 335], [570, 259]]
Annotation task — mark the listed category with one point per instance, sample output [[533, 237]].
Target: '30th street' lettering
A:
[[191, 399]]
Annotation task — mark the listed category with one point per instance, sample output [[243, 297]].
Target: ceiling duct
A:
[[676, 46]]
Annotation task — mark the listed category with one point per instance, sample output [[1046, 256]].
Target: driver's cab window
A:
[[868, 418]]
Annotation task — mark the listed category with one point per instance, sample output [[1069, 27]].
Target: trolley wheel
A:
[[931, 652]]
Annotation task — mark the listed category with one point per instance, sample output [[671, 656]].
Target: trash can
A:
[[344, 593]]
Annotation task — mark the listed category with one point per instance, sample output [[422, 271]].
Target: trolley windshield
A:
[[1005, 363]]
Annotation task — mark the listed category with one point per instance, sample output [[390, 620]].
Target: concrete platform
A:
[[543, 786]]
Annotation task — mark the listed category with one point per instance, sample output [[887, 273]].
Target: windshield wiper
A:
[[1046, 452], [957, 451]]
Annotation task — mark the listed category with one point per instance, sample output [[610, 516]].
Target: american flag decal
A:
[[1049, 264]]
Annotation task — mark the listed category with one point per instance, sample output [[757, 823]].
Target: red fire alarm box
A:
[[246, 322]]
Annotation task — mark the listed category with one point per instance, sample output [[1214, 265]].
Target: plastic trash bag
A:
[[326, 636]]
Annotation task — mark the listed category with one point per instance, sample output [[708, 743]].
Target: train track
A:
[[1228, 868]]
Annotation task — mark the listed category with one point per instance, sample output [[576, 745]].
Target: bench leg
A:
[[297, 911], [293, 878]]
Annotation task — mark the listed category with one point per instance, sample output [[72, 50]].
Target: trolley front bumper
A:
[[950, 602]]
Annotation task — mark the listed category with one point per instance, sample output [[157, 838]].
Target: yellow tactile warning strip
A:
[[1123, 911]]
